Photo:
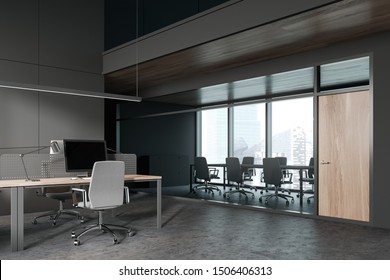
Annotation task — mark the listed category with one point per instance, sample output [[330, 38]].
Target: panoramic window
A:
[[214, 135], [249, 131], [292, 131]]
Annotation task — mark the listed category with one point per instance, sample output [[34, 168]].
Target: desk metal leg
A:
[[17, 219], [159, 192]]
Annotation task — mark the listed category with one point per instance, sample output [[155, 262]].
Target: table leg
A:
[[191, 178], [17, 219], [300, 187], [224, 179], [159, 192]]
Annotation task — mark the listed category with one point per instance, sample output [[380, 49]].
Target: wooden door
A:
[[343, 155]]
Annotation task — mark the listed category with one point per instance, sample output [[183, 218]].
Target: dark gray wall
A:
[[51, 43], [165, 145], [120, 17]]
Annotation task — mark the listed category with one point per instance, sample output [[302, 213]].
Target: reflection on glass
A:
[[214, 94], [249, 88], [297, 80], [345, 73]]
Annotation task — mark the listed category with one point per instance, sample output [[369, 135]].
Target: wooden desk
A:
[[17, 199]]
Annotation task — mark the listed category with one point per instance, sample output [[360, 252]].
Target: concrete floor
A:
[[197, 229]]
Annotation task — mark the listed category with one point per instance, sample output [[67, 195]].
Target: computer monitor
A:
[[80, 155]]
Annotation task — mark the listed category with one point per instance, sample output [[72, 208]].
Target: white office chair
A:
[[105, 192]]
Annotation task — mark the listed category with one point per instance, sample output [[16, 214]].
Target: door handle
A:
[[323, 162]]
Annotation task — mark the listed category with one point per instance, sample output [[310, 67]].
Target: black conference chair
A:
[[287, 175], [248, 171], [61, 194], [204, 173], [273, 175], [309, 178], [234, 175]]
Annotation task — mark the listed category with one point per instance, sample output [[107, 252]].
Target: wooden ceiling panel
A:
[[341, 21]]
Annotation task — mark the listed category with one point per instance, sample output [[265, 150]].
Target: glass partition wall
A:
[[279, 124], [245, 130], [267, 116]]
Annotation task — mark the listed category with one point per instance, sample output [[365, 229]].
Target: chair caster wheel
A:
[[54, 223], [292, 200], [73, 235], [82, 220], [116, 241], [260, 200], [76, 243], [308, 201], [34, 222], [131, 233], [266, 202], [287, 203]]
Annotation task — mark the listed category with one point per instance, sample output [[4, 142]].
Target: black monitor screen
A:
[[80, 155]]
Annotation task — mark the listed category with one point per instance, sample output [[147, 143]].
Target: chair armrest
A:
[[213, 172], [74, 196], [127, 195]]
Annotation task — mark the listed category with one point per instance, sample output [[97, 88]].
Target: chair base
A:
[[276, 195], [54, 215], [102, 227], [240, 191], [207, 188], [310, 197]]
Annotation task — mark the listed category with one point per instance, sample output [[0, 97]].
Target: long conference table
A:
[[300, 168], [17, 199]]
